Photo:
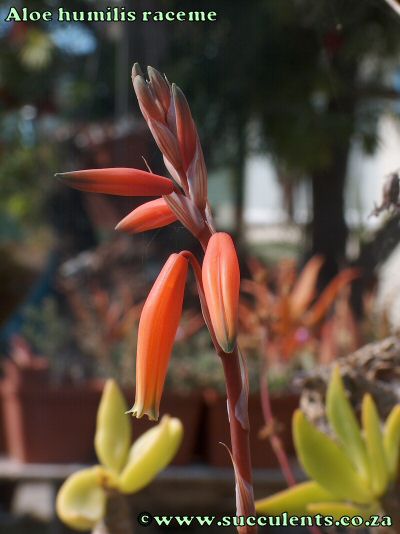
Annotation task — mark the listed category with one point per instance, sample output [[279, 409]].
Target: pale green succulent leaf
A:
[[150, 454], [327, 463], [81, 500], [391, 441], [344, 422], [294, 500], [113, 429], [375, 448]]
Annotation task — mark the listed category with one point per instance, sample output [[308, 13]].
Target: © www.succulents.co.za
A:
[[125, 468], [355, 472]]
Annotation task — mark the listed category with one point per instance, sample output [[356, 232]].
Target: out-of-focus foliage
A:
[[281, 312], [45, 80], [353, 471], [297, 67], [125, 467]]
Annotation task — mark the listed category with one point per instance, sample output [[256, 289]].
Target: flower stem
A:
[[274, 438], [276, 442], [117, 519], [238, 416]]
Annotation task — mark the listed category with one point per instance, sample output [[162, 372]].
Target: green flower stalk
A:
[[354, 472], [95, 496]]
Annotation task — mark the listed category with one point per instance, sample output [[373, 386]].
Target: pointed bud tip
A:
[[136, 71]]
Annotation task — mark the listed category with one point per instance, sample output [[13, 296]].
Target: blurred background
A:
[[297, 104]]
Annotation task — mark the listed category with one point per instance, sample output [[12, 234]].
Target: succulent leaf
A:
[[113, 429], [294, 500], [375, 449], [340, 509], [81, 500], [327, 463], [391, 441], [343, 420], [150, 454]]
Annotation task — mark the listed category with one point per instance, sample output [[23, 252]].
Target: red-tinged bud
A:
[[118, 181], [148, 216], [160, 87], [221, 281], [185, 128], [157, 330], [147, 102], [166, 142], [198, 179]]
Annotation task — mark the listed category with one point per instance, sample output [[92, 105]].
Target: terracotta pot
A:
[[50, 424], [3, 447], [37, 373], [187, 408], [56, 424], [263, 456]]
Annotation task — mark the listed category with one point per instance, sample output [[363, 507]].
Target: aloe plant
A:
[[95, 497], [185, 195], [354, 471]]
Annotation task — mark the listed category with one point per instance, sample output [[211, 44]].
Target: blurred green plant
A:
[[125, 468], [353, 472], [25, 160], [48, 331]]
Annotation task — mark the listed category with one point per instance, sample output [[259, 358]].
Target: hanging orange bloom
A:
[[221, 281], [153, 214], [157, 330], [118, 181]]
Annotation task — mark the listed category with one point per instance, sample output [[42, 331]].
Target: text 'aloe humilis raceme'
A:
[[221, 281]]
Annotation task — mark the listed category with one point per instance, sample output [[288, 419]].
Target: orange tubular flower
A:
[[118, 181], [148, 216], [157, 330], [221, 281]]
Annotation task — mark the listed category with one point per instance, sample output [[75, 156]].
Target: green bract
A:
[[125, 467], [350, 471]]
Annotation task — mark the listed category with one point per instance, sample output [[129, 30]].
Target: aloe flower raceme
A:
[[157, 330], [83, 499], [185, 199], [355, 472]]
